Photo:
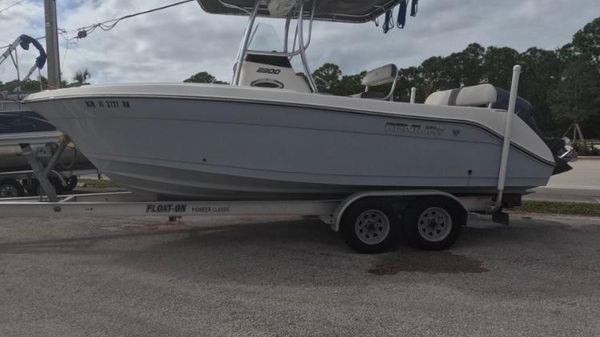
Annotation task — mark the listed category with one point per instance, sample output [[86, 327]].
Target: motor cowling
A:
[[561, 148]]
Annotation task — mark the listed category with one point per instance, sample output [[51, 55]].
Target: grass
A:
[[562, 208]]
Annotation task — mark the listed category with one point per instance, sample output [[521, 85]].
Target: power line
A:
[[37, 38], [11, 6], [107, 25]]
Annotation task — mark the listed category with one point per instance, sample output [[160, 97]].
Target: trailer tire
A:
[[10, 188], [71, 183], [368, 226], [433, 223]]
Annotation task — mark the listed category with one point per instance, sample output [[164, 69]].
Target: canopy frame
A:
[[301, 15]]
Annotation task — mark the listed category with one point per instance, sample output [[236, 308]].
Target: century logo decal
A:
[[414, 129]]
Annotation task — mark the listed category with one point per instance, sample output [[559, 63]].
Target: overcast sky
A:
[[175, 43]]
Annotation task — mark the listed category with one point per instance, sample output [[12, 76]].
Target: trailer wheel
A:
[[369, 227], [71, 183], [10, 188], [433, 223]]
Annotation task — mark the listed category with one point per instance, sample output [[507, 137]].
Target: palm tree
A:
[[81, 77]]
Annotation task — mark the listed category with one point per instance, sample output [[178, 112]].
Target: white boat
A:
[[271, 135]]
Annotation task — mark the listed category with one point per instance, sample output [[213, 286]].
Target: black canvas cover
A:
[[357, 11]]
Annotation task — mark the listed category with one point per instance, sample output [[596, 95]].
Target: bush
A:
[[586, 149]]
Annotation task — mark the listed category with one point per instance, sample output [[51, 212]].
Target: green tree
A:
[[576, 98], [434, 75], [542, 71], [327, 77], [203, 77], [586, 42], [464, 68], [350, 85], [407, 79], [498, 66], [26, 87], [81, 77]]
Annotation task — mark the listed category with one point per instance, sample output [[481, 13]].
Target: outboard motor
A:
[[561, 147]]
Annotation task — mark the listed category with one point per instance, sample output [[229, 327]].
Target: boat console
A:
[[274, 72]]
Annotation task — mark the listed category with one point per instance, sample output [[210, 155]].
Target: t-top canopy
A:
[[354, 11]]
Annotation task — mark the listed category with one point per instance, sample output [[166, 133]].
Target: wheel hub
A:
[[372, 226], [435, 224]]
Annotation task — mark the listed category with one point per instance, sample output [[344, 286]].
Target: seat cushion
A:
[[478, 95]]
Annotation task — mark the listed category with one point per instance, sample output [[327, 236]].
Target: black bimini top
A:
[[351, 11]]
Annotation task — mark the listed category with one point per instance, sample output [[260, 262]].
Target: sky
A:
[[172, 45]]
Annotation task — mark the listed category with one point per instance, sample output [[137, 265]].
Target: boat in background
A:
[[19, 125], [23, 130], [271, 135]]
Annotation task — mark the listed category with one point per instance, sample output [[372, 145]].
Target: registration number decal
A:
[[108, 104]]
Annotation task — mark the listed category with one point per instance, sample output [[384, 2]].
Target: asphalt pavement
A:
[[582, 184], [293, 277]]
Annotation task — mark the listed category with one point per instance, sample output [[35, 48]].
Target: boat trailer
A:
[[363, 218]]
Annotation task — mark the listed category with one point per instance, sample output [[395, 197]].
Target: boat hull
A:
[[215, 148]]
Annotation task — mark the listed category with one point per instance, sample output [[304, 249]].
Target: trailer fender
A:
[[335, 218]]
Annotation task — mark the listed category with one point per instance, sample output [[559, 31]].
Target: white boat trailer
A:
[[370, 221]]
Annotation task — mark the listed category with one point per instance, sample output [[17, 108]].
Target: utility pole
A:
[[52, 44]]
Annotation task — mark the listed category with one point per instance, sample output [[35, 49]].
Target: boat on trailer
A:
[[271, 135]]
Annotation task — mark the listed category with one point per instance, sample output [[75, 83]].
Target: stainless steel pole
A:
[[512, 104], [52, 50]]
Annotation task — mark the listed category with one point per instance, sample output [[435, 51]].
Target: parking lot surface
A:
[[293, 277], [582, 184]]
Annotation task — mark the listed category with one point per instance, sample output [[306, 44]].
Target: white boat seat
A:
[[478, 95], [376, 77]]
